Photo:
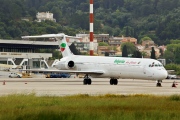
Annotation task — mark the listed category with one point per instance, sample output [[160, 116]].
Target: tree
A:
[[116, 31], [108, 29], [162, 52], [145, 38], [137, 54], [177, 54], [144, 54], [153, 55], [169, 56], [57, 54], [124, 51], [175, 41], [157, 19], [57, 13], [172, 53], [130, 47], [51, 30], [102, 44], [128, 31]]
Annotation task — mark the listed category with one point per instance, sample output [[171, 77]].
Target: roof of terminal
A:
[[28, 44]]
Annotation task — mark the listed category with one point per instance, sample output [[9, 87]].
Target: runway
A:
[[73, 86]]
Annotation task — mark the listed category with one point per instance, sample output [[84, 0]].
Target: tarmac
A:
[[74, 86]]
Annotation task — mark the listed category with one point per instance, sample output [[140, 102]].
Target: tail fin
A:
[[64, 48]]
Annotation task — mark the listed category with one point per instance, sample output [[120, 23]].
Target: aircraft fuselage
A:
[[116, 67]]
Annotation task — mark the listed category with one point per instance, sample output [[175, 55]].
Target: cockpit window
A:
[[160, 65], [155, 65]]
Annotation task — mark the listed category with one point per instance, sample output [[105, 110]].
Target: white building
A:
[[42, 16], [83, 43]]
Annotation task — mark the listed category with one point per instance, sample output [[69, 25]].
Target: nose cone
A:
[[163, 74]]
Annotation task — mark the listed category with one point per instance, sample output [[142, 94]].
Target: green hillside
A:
[[158, 19]]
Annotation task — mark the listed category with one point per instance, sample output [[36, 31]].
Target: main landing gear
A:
[[87, 80], [159, 83], [113, 81]]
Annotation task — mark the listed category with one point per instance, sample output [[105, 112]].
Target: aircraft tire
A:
[[158, 84], [85, 82], [89, 81], [115, 81], [111, 82]]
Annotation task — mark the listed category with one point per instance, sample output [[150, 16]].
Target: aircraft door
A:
[[148, 72]]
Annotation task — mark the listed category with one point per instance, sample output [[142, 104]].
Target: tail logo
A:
[[63, 46]]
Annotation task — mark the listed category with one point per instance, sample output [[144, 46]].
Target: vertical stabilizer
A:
[[61, 38], [64, 48]]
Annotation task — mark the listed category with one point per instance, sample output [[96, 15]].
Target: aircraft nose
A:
[[164, 74]]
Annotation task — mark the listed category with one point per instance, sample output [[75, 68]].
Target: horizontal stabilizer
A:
[[45, 36]]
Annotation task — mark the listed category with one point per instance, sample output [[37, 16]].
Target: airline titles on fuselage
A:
[[118, 61]]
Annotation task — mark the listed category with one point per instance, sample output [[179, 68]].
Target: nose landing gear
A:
[[159, 83]]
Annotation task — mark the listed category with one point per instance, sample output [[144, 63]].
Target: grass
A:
[[86, 107]]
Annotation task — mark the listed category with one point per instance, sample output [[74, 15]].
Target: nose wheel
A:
[[87, 80], [159, 83]]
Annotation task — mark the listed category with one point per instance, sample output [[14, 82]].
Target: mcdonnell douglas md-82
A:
[[104, 67]]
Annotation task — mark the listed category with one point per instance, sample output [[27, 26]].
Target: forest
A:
[[157, 19]]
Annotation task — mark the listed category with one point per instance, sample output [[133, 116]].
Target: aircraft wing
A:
[[66, 71]]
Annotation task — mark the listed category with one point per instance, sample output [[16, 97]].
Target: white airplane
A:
[[104, 67]]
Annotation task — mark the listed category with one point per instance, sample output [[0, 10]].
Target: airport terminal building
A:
[[24, 52]]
